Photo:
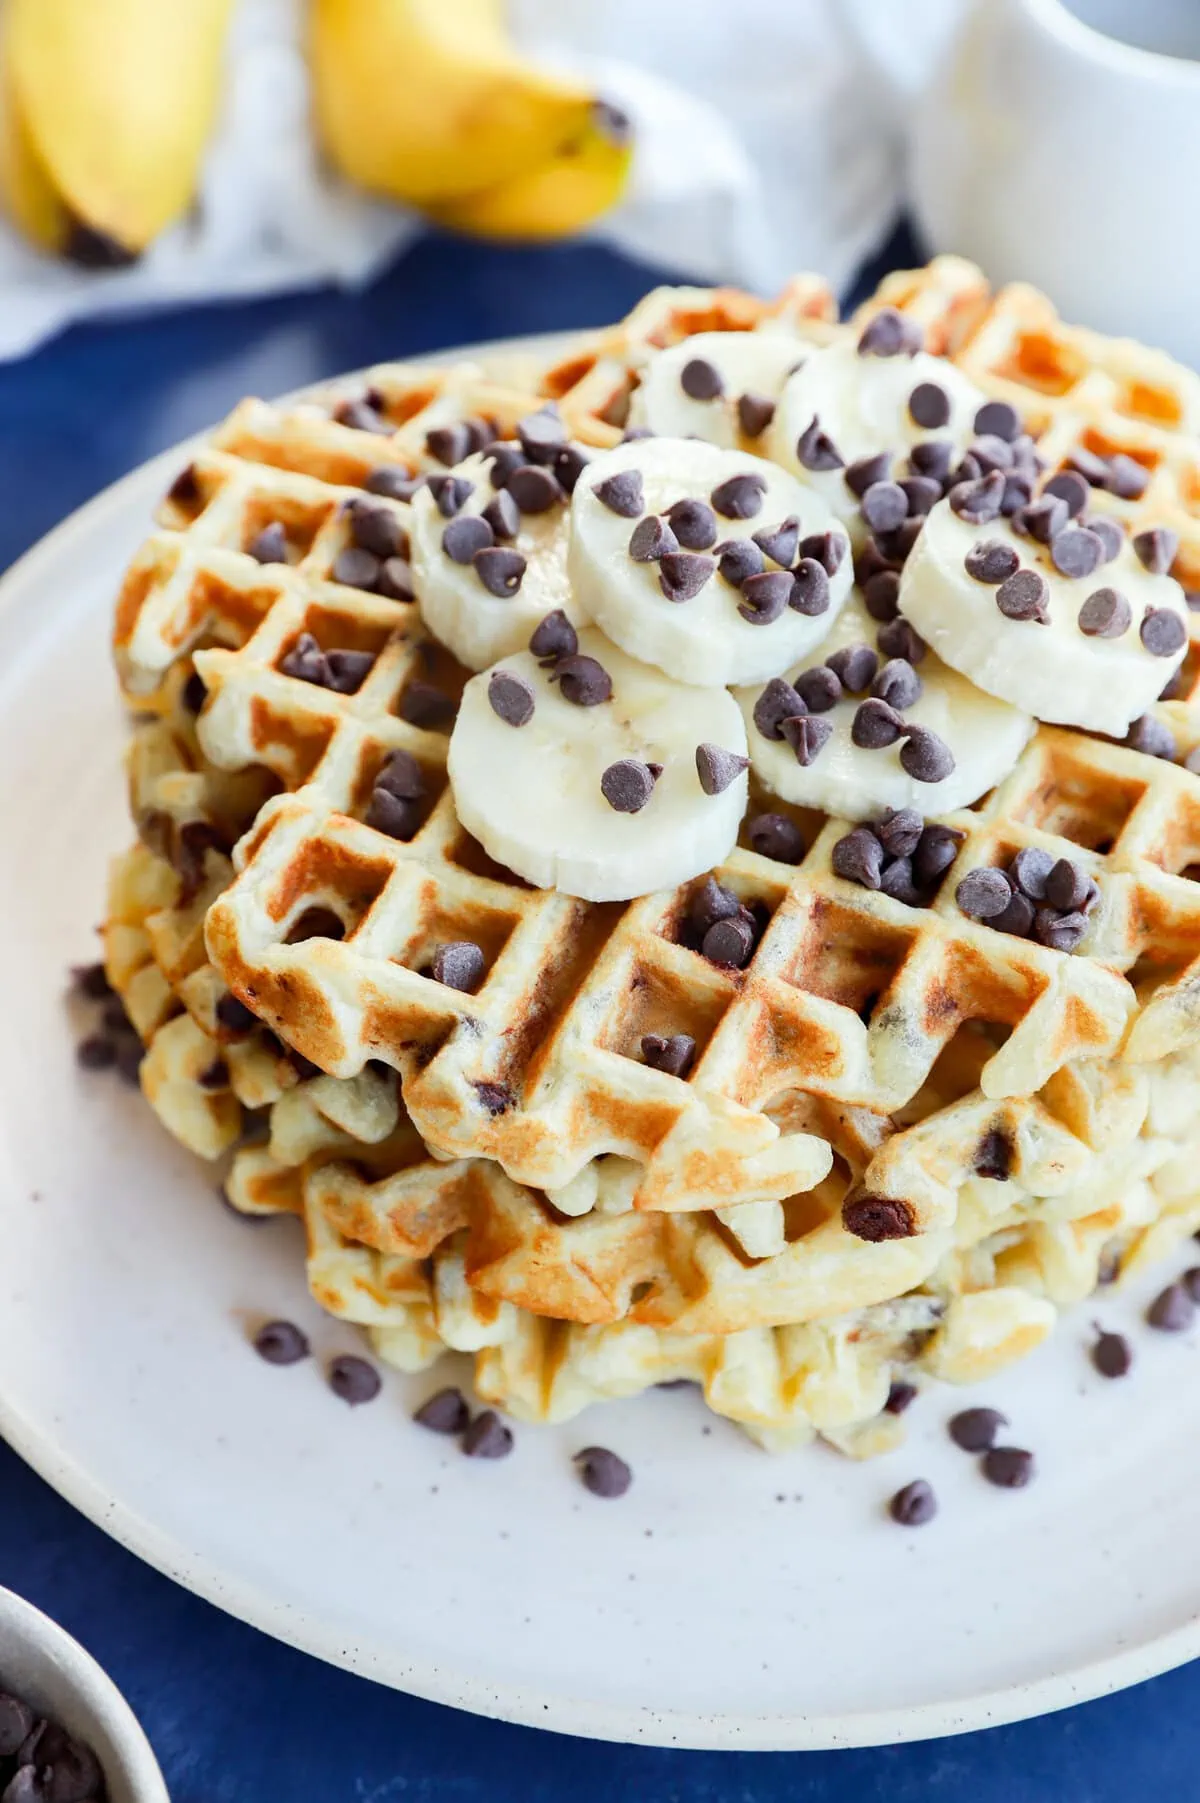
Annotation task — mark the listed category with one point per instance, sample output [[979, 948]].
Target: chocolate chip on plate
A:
[[602, 1472], [1111, 1354], [900, 1397], [487, 1437], [510, 697], [622, 494], [96, 1053], [281, 1343], [1008, 1467], [673, 1055], [445, 1412], [353, 1379], [975, 1429], [459, 964], [1173, 1310], [914, 1505]]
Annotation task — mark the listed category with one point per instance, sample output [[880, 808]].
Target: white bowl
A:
[[40, 1663]]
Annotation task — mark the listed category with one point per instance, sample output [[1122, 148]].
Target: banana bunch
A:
[[106, 107]]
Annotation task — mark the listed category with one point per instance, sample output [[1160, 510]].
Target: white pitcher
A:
[[1058, 141]]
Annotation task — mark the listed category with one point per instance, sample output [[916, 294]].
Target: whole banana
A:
[[105, 109]]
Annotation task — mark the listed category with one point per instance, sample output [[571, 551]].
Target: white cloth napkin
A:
[[769, 136]]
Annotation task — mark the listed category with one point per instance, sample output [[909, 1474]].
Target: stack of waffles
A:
[[902, 1139]]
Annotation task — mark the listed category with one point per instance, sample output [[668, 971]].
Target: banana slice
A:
[[592, 774], [485, 568], [863, 404], [713, 564], [719, 386], [848, 727], [1092, 649]]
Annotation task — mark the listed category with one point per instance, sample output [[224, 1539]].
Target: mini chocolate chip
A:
[[755, 413], [502, 515], [897, 638], [1067, 885], [991, 453], [673, 1055], [389, 814], [926, 757], [459, 965], [1008, 1467], [900, 1397], [854, 666], [1016, 919], [682, 574], [445, 1412], [740, 497], [738, 558], [717, 768], [712, 902], [921, 494], [534, 489], [978, 503], [500, 569], [897, 881], [765, 597], [1029, 870], [1152, 738], [897, 544], [819, 689], [395, 581], [510, 697], [1173, 1310], [627, 785], [423, 704], [881, 595], [778, 702], [356, 568], [857, 857], [1111, 1354], [348, 670], [1106, 614], [1018, 493], [466, 535], [810, 588], [864, 472], [1070, 488], [999, 419], [932, 458], [487, 1437], [1024, 596], [393, 481], [991, 560], [554, 636], [816, 450], [806, 736], [888, 333], [775, 836], [353, 1379], [878, 1218], [269, 545], [729, 942], [929, 405], [1076, 552], [651, 540], [96, 1053], [361, 416], [983, 893], [281, 1343], [884, 505], [450, 493], [449, 444], [584, 681], [900, 832], [875, 725], [376, 529], [975, 1430], [401, 775], [1162, 632], [504, 458], [1156, 548], [1127, 478], [701, 380], [694, 524], [934, 855], [914, 1505], [602, 1472], [570, 461], [1060, 932], [541, 435], [898, 684], [780, 543]]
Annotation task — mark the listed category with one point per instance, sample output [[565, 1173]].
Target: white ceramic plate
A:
[[730, 1599]]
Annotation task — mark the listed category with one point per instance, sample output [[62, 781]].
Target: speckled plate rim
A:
[[433, 1680]]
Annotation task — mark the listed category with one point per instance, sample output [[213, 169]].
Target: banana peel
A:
[[105, 109], [426, 101], [582, 181]]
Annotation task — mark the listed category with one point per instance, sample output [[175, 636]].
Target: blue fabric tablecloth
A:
[[236, 1717]]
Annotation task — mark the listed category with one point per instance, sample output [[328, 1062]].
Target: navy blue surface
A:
[[236, 1717]]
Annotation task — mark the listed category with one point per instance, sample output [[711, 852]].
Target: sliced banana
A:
[[595, 775], [678, 602], [480, 591], [1092, 650], [857, 781], [863, 405], [719, 386]]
